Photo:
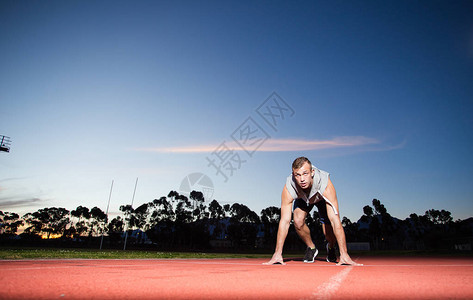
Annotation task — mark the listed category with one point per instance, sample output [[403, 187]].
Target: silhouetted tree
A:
[[141, 216], [216, 214], [367, 214], [83, 215], [182, 227], [199, 211], [115, 229], [47, 221], [438, 226], [270, 218], [383, 230], [351, 230], [173, 195], [98, 218], [379, 208], [183, 210], [438, 217], [163, 211], [227, 210], [197, 197], [128, 216], [374, 229], [241, 213], [81, 212], [271, 215], [216, 210], [177, 221], [161, 222], [9, 223], [242, 230]]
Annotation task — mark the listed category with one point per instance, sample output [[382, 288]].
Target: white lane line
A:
[[329, 288]]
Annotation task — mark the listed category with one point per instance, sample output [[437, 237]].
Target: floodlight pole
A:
[[126, 227], [106, 215]]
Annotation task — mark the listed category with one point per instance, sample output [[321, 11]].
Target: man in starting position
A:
[[306, 187]]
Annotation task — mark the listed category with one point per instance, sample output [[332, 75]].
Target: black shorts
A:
[[321, 207]]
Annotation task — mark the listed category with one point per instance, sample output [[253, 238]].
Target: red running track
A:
[[386, 278]]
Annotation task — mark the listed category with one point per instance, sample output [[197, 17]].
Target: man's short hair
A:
[[299, 162]]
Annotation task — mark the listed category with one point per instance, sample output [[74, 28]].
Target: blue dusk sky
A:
[[378, 93]]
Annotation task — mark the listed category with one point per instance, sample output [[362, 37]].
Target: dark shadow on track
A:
[[300, 259]]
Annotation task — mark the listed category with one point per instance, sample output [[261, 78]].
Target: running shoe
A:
[[331, 255], [310, 255]]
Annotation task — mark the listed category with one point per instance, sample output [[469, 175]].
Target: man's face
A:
[[303, 176]]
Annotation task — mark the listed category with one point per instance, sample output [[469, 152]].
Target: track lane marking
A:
[[330, 287]]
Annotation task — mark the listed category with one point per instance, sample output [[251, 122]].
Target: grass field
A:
[[64, 253], [68, 253]]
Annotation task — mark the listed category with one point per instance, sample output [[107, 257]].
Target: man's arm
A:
[[338, 230], [284, 223]]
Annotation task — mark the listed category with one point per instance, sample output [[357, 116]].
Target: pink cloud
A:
[[275, 145]]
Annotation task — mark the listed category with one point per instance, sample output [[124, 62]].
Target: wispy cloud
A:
[[279, 145], [399, 145], [12, 179], [275, 145], [10, 202]]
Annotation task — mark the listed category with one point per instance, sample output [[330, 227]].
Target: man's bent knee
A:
[[299, 223], [299, 218]]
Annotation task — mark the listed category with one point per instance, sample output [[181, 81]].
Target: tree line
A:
[[179, 222]]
